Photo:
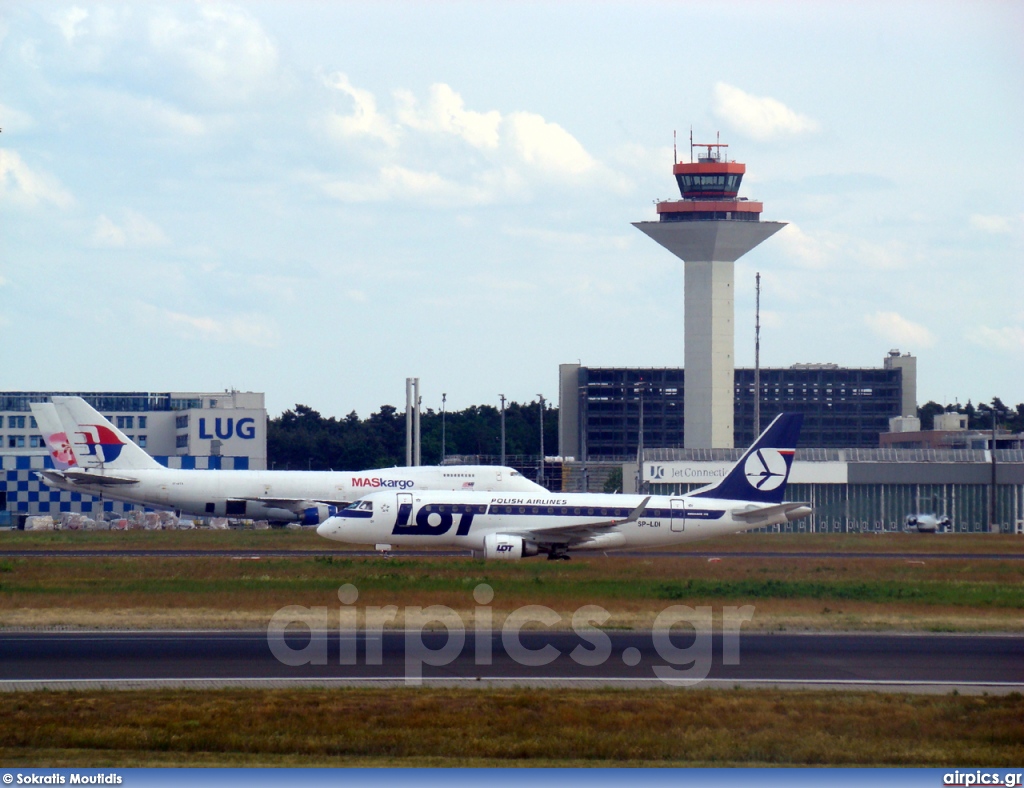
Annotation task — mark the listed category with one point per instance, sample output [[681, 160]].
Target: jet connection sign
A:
[[693, 472]]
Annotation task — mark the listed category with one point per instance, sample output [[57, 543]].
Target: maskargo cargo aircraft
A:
[[513, 526], [110, 466]]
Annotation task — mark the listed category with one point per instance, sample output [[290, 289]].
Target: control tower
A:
[[709, 229]]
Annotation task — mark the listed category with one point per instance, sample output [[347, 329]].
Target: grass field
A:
[[815, 593], [442, 727], [449, 727], [307, 539]]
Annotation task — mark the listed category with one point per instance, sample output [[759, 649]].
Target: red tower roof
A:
[[709, 187]]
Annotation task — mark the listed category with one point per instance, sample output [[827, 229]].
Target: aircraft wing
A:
[[582, 532], [769, 513], [296, 505]]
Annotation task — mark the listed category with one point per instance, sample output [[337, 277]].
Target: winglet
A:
[[635, 514]]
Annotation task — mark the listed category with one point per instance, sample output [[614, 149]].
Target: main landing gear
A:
[[559, 554]]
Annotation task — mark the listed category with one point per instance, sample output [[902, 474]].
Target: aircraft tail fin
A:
[[96, 442], [762, 472], [54, 435]]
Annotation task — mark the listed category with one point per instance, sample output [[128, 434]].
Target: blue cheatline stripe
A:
[[610, 512]]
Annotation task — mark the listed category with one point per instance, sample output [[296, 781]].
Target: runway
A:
[[887, 662], [705, 554]]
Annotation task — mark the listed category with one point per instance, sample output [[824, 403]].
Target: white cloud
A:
[[1008, 338], [896, 330], [805, 250], [581, 241], [240, 329], [13, 120], [400, 183], [761, 118], [69, 20], [501, 156], [136, 230], [19, 184], [446, 112], [992, 224], [642, 159], [547, 145], [225, 48], [172, 119], [365, 120]]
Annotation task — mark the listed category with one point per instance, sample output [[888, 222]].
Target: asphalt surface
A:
[[130, 553], [916, 663]]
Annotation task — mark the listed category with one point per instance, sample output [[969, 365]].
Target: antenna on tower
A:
[[691, 144], [675, 152], [757, 357]]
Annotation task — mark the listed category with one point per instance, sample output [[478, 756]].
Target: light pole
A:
[[540, 472], [444, 397], [992, 489], [502, 429]]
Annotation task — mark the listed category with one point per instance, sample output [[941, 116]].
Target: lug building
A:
[[204, 430]]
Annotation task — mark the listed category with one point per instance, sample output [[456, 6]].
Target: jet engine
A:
[[314, 515], [507, 548]]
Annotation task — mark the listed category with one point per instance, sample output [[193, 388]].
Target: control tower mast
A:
[[709, 229]]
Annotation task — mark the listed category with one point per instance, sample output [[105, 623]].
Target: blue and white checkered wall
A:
[[28, 494]]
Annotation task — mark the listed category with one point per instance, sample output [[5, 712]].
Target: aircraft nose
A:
[[326, 528]]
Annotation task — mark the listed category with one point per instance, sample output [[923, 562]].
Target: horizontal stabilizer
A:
[[780, 513], [297, 505], [99, 479]]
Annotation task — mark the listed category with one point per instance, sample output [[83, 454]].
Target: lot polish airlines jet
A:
[[515, 526], [109, 465]]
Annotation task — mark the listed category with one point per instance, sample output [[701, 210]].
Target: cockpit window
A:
[[361, 506], [515, 473]]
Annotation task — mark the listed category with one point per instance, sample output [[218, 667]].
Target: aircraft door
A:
[[404, 509], [678, 521]]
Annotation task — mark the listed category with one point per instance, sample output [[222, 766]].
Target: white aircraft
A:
[[519, 525], [109, 465], [928, 523]]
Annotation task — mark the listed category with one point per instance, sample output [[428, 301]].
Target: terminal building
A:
[[217, 430], [601, 409], [858, 490]]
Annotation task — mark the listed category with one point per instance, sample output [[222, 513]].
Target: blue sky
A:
[[317, 200]]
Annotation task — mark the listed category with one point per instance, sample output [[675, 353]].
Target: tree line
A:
[[978, 418], [301, 438]]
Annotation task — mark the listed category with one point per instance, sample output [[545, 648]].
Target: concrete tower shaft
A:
[[709, 229]]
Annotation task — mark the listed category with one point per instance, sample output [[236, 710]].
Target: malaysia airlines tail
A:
[[98, 444]]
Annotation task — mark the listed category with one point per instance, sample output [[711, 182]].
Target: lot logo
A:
[[100, 442], [766, 469]]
